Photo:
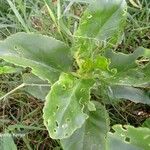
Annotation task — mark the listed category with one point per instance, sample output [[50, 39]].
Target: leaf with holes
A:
[[123, 62], [45, 55], [69, 114], [92, 135], [131, 70], [64, 106], [129, 136]]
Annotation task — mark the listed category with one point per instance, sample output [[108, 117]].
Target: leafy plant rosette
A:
[[89, 66]]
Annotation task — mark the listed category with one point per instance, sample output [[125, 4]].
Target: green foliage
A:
[[97, 22], [129, 135], [147, 123], [7, 69], [128, 92], [35, 86], [97, 28], [47, 60], [69, 113], [130, 69], [66, 102], [7, 142], [93, 133]]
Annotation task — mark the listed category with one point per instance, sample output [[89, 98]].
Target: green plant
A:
[[89, 67]]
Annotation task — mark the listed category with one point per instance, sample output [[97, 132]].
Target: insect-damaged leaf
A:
[[92, 135], [45, 55], [123, 62], [64, 106], [132, 69], [129, 138]]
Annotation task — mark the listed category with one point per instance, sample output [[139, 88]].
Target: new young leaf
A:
[[102, 22]]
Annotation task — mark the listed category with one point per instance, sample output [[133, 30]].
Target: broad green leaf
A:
[[98, 20], [131, 71], [129, 135], [7, 142], [45, 55], [64, 106], [123, 62], [102, 22], [114, 142], [133, 77], [92, 135], [35, 86], [127, 92]]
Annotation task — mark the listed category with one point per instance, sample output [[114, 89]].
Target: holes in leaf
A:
[[55, 130], [112, 130], [68, 120], [124, 128], [57, 107], [56, 123], [64, 87], [127, 139], [75, 66], [16, 47]]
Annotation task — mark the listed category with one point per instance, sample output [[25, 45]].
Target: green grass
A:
[[22, 113], [137, 32]]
